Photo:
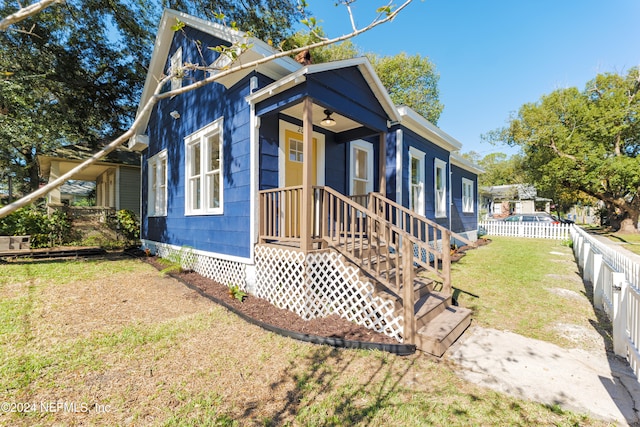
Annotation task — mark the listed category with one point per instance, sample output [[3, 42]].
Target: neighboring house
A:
[[288, 179], [75, 192], [116, 177], [501, 201]]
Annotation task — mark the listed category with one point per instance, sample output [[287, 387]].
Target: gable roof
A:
[[299, 76], [258, 49]]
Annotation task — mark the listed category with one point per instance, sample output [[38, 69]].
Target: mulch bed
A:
[[262, 310]]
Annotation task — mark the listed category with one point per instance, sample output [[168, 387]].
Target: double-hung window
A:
[[416, 180], [157, 184], [467, 195], [204, 186], [361, 171], [440, 188]]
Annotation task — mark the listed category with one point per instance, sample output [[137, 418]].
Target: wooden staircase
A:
[[405, 256], [404, 265]]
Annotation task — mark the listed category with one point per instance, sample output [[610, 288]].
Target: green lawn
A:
[[130, 347], [630, 241], [528, 286]]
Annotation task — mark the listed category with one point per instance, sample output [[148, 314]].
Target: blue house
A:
[[304, 185]]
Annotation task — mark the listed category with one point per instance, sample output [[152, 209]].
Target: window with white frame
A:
[[204, 171], [361, 171], [157, 185], [416, 180], [440, 188], [176, 69], [295, 150], [467, 195]]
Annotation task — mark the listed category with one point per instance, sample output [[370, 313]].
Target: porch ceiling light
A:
[[328, 121]]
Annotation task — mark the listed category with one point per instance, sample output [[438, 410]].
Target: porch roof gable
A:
[[300, 76]]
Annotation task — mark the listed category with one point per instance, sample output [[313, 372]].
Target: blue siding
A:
[[462, 221], [432, 152], [269, 152], [228, 233]]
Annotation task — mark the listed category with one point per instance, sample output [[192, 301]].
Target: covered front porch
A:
[[116, 181], [329, 239]]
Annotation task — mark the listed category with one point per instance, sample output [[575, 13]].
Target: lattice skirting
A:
[[222, 271], [320, 284]]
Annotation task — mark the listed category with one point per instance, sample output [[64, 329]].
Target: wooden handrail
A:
[[386, 235], [380, 206]]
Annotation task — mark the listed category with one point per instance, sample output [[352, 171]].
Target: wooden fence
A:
[[532, 230], [616, 291]]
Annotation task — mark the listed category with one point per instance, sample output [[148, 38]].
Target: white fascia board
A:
[[461, 162], [425, 128], [278, 86], [164, 37]]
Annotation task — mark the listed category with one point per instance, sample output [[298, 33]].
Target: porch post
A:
[[382, 164], [307, 181]]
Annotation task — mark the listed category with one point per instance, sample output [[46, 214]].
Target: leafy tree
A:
[[411, 81], [269, 20], [64, 83], [74, 72], [501, 170], [586, 141], [385, 14]]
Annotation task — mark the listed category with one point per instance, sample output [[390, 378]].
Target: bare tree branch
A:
[[26, 12], [157, 96]]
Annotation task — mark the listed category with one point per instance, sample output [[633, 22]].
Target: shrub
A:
[[128, 225], [44, 230]]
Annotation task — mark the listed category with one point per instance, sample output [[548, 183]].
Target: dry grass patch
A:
[[126, 346]]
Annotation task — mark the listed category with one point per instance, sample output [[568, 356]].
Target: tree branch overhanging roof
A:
[[276, 69]]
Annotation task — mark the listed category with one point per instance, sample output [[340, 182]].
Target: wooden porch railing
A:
[[411, 222], [280, 214]]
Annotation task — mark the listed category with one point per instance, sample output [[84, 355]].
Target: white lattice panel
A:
[[280, 279], [223, 271], [340, 290], [330, 287]]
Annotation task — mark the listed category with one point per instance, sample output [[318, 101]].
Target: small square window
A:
[[295, 150]]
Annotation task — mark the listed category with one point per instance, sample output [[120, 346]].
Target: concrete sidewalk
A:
[[600, 385]]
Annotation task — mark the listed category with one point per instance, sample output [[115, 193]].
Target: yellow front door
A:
[[294, 158]]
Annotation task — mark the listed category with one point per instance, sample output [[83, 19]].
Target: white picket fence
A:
[[532, 230], [616, 291]]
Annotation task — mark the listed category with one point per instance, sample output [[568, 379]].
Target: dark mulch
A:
[[257, 308]]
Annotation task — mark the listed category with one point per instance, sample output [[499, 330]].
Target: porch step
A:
[[429, 307], [441, 332]]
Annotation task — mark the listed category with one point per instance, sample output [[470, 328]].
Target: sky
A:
[[493, 56]]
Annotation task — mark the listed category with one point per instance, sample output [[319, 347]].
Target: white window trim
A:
[[176, 67], [414, 153], [365, 146], [201, 137], [468, 201], [153, 205], [440, 208]]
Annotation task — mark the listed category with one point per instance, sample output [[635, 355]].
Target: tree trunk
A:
[[627, 226]]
